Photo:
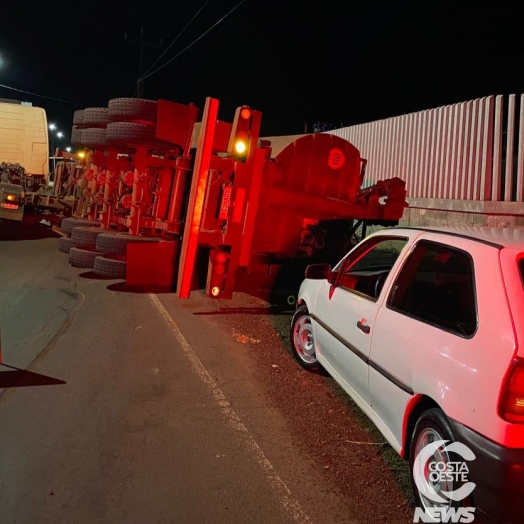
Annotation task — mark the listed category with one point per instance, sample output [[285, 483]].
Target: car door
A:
[[422, 332], [346, 309]]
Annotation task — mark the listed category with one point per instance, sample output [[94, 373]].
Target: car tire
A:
[[302, 341], [431, 426]]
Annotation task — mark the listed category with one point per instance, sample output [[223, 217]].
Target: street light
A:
[[68, 149], [59, 134]]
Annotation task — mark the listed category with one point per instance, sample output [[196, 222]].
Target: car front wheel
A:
[[302, 340]]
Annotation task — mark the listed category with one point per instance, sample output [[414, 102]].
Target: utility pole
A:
[[141, 65], [141, 42]]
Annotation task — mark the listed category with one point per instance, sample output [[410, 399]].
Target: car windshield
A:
[[382, 256]]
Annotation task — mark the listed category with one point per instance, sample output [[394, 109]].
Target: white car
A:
[[424, 329]]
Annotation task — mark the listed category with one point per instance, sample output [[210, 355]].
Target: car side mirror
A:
[[318, 272]]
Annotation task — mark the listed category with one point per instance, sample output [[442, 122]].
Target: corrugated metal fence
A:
[[469, 151]]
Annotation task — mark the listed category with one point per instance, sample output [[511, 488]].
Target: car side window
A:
[[366, 271], [437, 285]]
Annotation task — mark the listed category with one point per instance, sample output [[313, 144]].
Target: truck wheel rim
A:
[[426, 437], [303, 340]]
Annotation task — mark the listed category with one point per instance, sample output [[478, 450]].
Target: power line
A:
[[175, 39], [124, 39], [182, 4], [132, 15], [152, 62], [194, 42], [41, 96]]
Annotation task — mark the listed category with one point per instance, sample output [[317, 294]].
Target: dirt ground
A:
[[323, 421]]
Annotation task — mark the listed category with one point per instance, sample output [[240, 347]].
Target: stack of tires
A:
[[80, 242], [124, 125], [91, 247], [78, 232], [112, 249]]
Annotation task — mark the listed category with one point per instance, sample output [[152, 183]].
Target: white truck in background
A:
[[24, 138], [24, 170]]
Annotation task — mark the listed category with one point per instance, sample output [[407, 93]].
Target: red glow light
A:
[[511, 405], [220, 258], [219, 269], [8, 206]]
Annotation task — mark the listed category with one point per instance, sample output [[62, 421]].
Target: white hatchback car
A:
[[424, 329]]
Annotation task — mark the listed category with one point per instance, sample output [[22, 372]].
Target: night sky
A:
[[296, 61]]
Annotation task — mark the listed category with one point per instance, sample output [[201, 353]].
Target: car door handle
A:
[[361, 324]]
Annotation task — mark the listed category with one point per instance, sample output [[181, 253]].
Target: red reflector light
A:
[[245, 113], [219, 269], [511, 405], [8, 206], [220, 258]]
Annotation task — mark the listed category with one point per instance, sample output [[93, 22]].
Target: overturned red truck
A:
[[173, 201]]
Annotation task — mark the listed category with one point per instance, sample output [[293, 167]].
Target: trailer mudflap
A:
[[153, 264]]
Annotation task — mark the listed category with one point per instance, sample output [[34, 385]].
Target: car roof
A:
[[498, 237]]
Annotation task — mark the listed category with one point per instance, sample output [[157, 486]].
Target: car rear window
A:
[[437, 285]]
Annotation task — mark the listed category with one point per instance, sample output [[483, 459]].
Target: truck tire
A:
[[94, 138], [65, 244], [110, 267], [96, 117], [85, 236], [116, 243], [83, 257], [136, 110], [68, 224], [135, 135], [78, 118], [76, 137]]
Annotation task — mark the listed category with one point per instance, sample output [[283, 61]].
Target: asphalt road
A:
[[133, 410]]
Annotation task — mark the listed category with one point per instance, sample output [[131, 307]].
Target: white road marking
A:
[[290, 504]]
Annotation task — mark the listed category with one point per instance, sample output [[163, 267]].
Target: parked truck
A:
[[24, 170], [180, 200]]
